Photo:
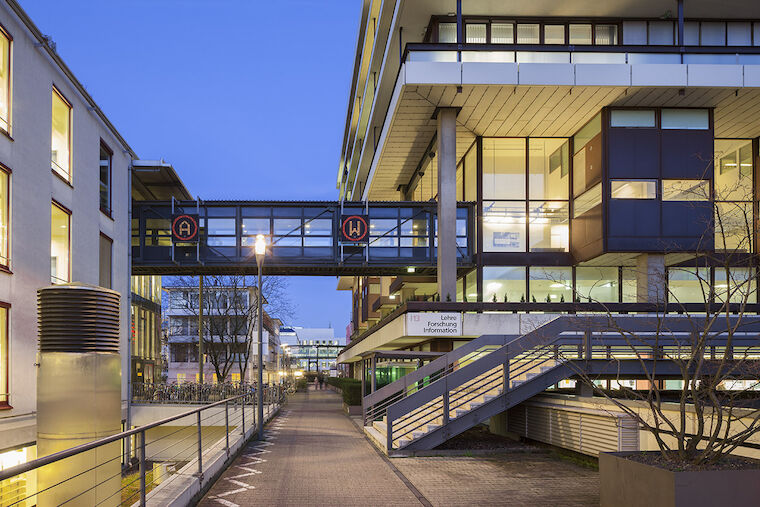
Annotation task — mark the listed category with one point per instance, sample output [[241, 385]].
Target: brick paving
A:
[[314, 455]]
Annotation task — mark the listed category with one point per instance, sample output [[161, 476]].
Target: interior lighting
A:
[[410, 269], [557, 286]]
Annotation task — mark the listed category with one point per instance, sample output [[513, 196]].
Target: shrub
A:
[[352, 392]]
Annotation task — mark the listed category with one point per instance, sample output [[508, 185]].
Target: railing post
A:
[[445, 402], [587, 345], [506, 370], [389, 431], [200, 449], [227, 428], [142, 468], [242, 413]]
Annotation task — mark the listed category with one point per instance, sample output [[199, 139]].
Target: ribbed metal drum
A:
[[78, 393], [78, 318]]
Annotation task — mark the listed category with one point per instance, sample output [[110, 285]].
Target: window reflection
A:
[[688, 285], [503, 226], [504, 283], [551, 284], [738, 285], [597, 284]]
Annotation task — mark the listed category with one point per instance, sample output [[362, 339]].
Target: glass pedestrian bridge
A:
[[305, 238]]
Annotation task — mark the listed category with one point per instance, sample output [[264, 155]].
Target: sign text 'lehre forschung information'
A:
[[435, 324]]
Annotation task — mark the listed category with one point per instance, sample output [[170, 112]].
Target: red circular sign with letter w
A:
[[185, 228], [354, 228]]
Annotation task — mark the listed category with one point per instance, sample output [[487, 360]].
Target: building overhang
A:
[[544, 100], [156, 180]]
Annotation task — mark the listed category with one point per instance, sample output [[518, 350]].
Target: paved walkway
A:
[[314, 455]]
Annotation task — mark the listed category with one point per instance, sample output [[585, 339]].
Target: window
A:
[[60, 156], [740, 287], [739, 34], [447, 32], [5, 81], [661, 33], [5, 178], [632, 118], [580, 34], [584, 174], [605, 35], [4, 356], [733, 227], [633, 189], [588, 200], [551, 284], [713, 34], [688, 285], [548, 229], [504, 168], [505, 283], [106, 245], [596, 284], [686, 119], [549, 162], [527, 33], [685, 190], [502, 33], [105, 179], [60, 244], [475, 33], [554, 34], [733, 170], [181, 378], [504, 226]]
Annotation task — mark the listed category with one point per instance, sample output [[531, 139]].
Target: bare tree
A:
[[717, 356], [230, 316]]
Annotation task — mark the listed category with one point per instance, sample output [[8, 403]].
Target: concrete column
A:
[[651, 284], [447, 203]]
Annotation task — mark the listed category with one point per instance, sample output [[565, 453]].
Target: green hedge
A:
[[350, 387]]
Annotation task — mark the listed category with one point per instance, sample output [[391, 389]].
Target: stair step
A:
[[381, 427]]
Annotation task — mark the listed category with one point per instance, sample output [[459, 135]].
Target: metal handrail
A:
[[57, 456]]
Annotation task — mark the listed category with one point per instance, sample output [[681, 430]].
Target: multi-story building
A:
[[230, 335], [310, 348], [147, 362], [609, 151]]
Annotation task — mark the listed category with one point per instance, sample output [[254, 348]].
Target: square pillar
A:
[[651, 282], [447, 203]]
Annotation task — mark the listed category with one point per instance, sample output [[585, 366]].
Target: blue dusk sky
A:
[[246, 98]]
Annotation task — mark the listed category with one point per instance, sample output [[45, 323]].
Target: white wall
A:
[[33, 186]]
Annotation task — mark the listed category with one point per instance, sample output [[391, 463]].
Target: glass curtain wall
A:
[[733, 195]]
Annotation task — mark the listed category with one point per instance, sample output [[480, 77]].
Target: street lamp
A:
[[260, 248]]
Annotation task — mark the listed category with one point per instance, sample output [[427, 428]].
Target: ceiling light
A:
[[410, 269]]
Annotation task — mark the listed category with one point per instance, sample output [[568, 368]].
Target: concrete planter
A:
[[627, 483], [352, 409]]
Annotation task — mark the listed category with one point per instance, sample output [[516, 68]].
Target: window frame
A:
[[5, 398], [68, 231], [108, 211], [634, 180], [7, 34], [5, 266], [69, 177], [110, 271]]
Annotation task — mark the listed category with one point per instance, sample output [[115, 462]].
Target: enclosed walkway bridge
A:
[[304, 238]]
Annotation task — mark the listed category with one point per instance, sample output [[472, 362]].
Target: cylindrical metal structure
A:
[[79, 393]]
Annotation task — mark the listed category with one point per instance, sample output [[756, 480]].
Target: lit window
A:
[[633, 189], [475, 33], [548, 227], [685, 190], [580, 34], [105, 179], [686, 119], [60, 245], [447, 32], [605, 35], [181, 378], [632, 118], [502, 33], [106, 245], [505, 283], [4, 215], [554, 34], [596, 284], [527, 33], [733, 170], [588, 200], [4, 362], [504, 226], [550, 284], [60, 156], [5, 81]]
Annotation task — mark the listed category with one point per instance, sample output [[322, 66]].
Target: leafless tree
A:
[[230, 316], [717, 357]]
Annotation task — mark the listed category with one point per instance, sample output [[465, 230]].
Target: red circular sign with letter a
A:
[[354, 228], [185, 228]]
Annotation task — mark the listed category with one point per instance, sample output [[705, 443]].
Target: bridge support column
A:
[[447, 203], [650, 278]]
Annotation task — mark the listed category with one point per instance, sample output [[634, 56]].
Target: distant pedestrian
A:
[[316, 383], [321, 381]]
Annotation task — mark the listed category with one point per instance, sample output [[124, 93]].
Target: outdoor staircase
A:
[[466, 387]]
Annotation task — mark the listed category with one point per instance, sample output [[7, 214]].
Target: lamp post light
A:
[[260, 249]]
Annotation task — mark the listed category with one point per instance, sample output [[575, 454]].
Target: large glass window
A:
[[633, 189], [504, 168], [60, 245], [471, 175], [738, 285], [733, 226], [504, 284], [551, 284], [106, 247], [5, 178], [597, 284], [587, 201], [5, 81], [549, 168], [583, 144], [685, 190], [60, 155], [549, 231], [733, 170], [504, 226], [688, 285], [105, 179]]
